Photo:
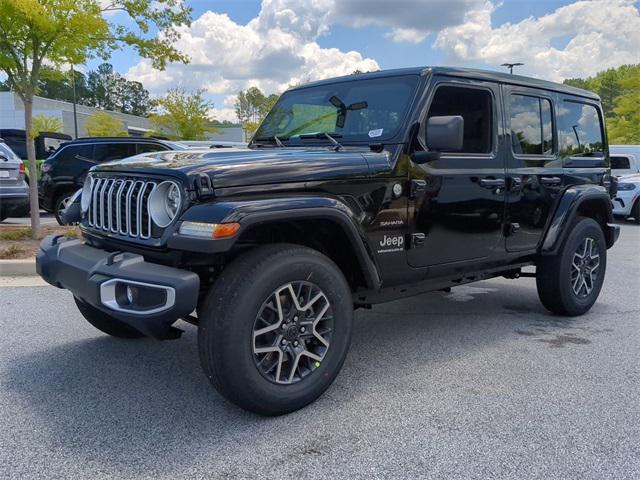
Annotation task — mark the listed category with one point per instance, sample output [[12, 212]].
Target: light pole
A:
[[511, 65]]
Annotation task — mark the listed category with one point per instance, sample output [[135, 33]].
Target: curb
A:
[[18, 268]]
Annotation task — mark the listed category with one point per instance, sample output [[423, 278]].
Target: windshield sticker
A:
[[375, 133]]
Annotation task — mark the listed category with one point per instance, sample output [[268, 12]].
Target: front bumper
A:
[[623, 203], [95, 275]]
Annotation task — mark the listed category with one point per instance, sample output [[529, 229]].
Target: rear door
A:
[[534, 170]]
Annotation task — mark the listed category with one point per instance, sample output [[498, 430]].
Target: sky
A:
[[271, 44]]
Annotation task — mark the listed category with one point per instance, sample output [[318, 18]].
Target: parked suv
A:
[[354, 191], [14, 191], [64, 172]]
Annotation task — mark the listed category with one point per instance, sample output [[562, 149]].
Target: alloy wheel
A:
[[292, 332], [584, 268]]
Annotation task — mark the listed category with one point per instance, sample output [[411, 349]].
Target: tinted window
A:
[[531, 127], [106, 152], [149, 147], [579, 129], [7, 152], [357, 110], [75, 152], [475, 106], [620, 163]]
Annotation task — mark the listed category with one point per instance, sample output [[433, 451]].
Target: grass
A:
[[11, 252], [16, 234]]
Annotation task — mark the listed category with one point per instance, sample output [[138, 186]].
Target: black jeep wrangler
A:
[[353, 191]]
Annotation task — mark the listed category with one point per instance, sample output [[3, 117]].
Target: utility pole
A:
[[511, 65], [75, 113]]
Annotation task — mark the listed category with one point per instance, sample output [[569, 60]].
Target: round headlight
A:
[[164, 203], [85, 200]]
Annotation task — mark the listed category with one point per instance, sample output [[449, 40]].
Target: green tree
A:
[[33, 32], [103, 124], [182, 115], [45, 123], [625, 126], [252, 106]]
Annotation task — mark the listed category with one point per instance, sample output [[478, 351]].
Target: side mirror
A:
[[445, 133]]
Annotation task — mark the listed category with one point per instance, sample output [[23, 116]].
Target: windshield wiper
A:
[[329, 136], [274, 138]]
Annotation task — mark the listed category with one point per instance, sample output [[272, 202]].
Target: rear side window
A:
[[531, 125], [475, 106], [149, 147], [75, 152], [620, 163], [106, 152], [580, 130]]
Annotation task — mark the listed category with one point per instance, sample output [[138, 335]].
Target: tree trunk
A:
[[33, 169]]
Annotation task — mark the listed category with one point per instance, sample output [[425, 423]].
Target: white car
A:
[[625, 159], [627, 200]]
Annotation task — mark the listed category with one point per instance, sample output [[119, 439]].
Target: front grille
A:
[[120, 205]]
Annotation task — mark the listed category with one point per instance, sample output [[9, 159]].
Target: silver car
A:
[[14, 191]]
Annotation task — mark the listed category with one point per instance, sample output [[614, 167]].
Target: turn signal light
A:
[[225, 230], [209, 230]]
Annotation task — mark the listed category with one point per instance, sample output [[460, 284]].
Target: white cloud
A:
[[601, 34], [272, 51], [409, 20], [222, 114]]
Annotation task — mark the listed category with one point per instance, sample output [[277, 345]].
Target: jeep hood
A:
[[239, 167]]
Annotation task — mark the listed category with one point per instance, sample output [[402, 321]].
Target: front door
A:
[[456, 210], [534, 172]]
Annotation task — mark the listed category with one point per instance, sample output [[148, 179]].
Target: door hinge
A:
[[416, 240], [511, 228], [417, 186]]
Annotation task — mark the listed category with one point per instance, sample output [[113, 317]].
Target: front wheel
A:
[[62, 202], [275, 328], [569, 283]]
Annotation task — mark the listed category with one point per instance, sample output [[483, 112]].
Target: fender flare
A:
[[567, 210], [249, 213]]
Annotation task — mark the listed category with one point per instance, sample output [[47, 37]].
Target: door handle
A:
[[550, 180], [492, 182]]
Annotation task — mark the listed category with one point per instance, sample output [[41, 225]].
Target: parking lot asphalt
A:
[[478, 383]]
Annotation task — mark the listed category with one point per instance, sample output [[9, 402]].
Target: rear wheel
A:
[[106, 323], [275, 328], [569, 283]]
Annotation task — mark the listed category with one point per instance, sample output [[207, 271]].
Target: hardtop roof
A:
[[476, 74]]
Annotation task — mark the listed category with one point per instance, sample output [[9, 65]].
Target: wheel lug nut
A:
[[284, 342], [295, 344], [295, 319], [302, 329]]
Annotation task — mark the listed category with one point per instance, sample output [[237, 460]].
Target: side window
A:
[[531, 125], [149, 147], [75, 152], [475, 106], [620, 163], [106, 152], [580, 130]]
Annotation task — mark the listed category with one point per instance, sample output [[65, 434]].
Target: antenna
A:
[[511, 65]]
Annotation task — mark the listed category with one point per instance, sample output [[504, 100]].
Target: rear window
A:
[[620, 163], [580, 130], [531, 125], [7, 152]]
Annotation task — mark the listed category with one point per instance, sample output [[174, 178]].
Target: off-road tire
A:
[[228, 317], [554, 273], [105, 323]]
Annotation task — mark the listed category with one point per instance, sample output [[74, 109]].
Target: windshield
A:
[[361, 110]]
